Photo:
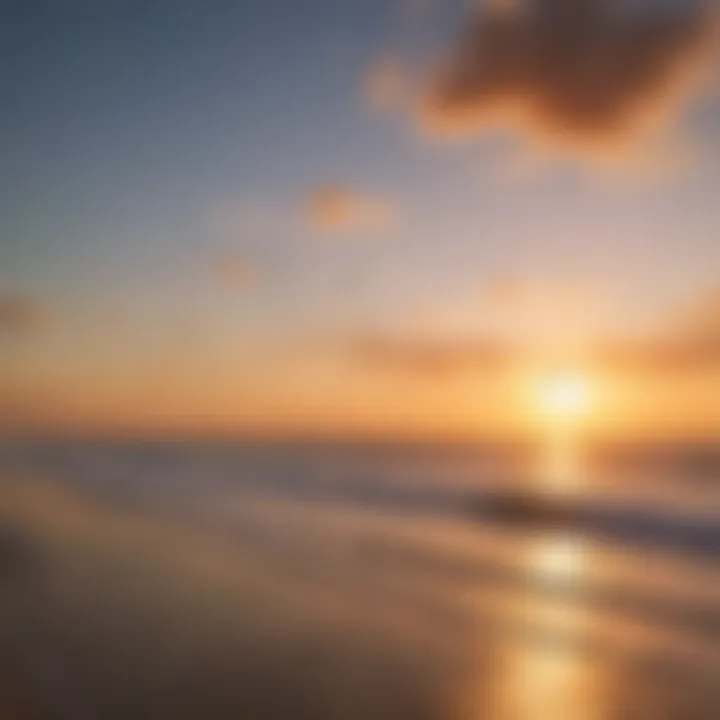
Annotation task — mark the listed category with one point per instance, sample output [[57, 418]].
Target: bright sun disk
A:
[[565, 396]]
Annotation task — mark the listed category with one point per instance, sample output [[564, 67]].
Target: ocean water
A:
[[329, 581]]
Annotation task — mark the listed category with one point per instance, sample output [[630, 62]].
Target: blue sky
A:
[[144, 142]]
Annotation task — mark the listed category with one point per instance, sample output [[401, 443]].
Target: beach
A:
[[322, 581]]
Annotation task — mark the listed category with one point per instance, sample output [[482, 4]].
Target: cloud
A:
[[690, 344], [20, 315], [432, 358], [521, 293], [554, 314], [385, 84], [234, 271], [687, 343], [337, 208], [582, 73]]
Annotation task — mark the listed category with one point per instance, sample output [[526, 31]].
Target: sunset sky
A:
[[386, 218]]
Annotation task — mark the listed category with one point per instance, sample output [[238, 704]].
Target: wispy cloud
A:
[[385, 84], [687, 343], [20, 315], [431, 358], [690, 343], [234, 271]]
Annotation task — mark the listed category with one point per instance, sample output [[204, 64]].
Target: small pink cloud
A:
[[337, 208]]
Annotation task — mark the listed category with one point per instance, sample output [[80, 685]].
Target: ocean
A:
[[359, 581]]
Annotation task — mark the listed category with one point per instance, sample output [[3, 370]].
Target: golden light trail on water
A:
[[545, 675], [551, 678], [542, 670]]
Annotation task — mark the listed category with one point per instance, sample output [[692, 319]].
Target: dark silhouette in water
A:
[[631, 525]]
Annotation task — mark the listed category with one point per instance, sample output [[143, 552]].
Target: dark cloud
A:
[[20, 315], [334, 207], [575, 71]]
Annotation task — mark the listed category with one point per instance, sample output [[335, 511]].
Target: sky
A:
[[340, 218]]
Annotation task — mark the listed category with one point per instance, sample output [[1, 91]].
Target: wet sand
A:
[[257, 605]]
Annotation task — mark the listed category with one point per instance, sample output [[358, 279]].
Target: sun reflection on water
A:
[[543, 669]]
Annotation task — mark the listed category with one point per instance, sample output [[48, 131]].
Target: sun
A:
[[565, 396]]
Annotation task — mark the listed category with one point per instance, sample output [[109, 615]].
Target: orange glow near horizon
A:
[[325, 399]]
